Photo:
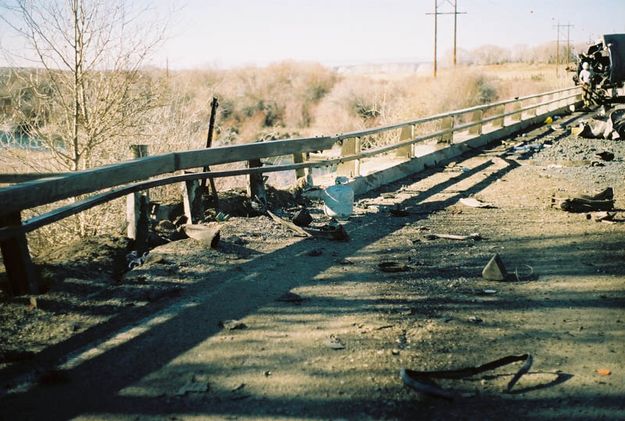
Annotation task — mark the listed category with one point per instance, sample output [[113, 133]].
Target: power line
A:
[[453, 3]]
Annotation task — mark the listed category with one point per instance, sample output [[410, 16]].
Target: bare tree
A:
[[88, 83]]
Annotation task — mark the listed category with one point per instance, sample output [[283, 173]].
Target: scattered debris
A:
[[288, 224], [393, 267], [335, 343], [612, 128], [605, 156], [232, 325], [520, 276], [422, 381], [495, 269], [601, 201], [222, 217], [474, 236], [239, 387], [207, 234], [601, 216], [290, 297], [330, 231], [135, 260], [302, 218], [398, 211], [474, 203]]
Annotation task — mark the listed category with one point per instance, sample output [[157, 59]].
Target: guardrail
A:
[[130, 177]]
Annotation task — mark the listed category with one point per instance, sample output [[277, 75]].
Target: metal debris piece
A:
[[393, 267], [335, 343], [474, 236], [422, 381], [474, 203], [232, 325]]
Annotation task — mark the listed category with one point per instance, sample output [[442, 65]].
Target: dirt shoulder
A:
[[336, 354]]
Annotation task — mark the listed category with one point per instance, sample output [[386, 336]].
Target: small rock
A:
[[475, 319], [232, 325], [302, 218]]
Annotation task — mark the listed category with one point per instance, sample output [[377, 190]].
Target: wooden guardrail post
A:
[[192, 200], [256, 188], [475, 118], [447, 123], [407, 133], [137, 206], [23, 277], [350, 169]]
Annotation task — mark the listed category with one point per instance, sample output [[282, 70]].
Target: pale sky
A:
[[237, 32]]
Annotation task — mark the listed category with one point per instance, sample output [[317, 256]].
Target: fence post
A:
[[192, 200], [407, 133], [475, 118], [350, 169], [447, 123], [22, 274], [256, 188], [300, 158], [137, 206]]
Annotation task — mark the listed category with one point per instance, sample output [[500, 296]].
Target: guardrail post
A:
[[549, 98], [499, 122], [516, 106], [350, 169], [192, 200], [447, 123], [23, 277], [256, 188], [407, 133], [532, 112], [137, 206], [475, 118]]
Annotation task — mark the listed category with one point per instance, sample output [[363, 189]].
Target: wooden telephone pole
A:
[[453, 3]]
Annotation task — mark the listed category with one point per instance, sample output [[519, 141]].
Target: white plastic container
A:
[[338, 200]]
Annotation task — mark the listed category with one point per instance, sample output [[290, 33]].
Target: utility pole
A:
[[568, 27], [436, 13]]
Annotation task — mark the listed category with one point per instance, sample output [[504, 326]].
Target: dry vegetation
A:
[[283, 100]]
